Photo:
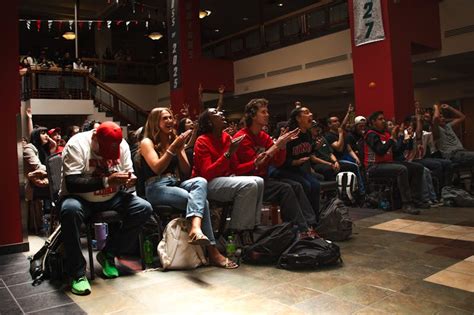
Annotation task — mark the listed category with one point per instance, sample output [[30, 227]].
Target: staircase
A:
[[111, 105]]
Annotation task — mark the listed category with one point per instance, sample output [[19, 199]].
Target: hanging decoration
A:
[[133, 6], [89, 23], [147, 25], [50, 25], [71, 23], [28, 25], [38, 25], [109, 24], [127, 24]]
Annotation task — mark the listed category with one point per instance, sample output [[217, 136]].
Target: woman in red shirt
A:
[[215, 160]]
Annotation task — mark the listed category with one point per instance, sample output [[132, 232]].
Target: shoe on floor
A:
[[109, 270], [409, 209], [422, 205], [81, 286]]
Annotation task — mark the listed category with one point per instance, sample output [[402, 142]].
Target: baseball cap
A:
[[359, 119], [51, 131], [109, 137]]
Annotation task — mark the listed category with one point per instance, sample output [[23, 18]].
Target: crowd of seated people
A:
[[185, 164]]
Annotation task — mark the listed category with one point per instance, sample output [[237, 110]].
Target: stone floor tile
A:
[[467, 237], [433, 240], [404, 304], [452, 252], [464, 266], [360, 293], [453, 279], [252, 304], [26, 289], [322, 281], [72, 309], [7, 303], [387, 280], [370, 311], [13, 259], [441, 294], [99, 288], [289, 294], [42, 301], [327, 304], [107, 304]]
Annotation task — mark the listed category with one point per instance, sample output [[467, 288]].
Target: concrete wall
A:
[[61, 107]]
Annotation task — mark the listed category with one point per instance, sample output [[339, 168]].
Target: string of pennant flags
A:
[[69, 24]]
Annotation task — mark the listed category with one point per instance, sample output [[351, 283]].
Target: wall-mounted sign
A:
[[174, 45], [368, 23]]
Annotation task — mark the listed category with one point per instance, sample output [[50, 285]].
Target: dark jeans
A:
[[294, 205], [463, 158], [75, 210], [441, 168], [409, 178], [308, 181]]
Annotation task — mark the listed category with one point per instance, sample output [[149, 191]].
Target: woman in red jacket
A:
[[215, 160]]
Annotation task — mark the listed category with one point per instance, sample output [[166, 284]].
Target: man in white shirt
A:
[[96, 165]]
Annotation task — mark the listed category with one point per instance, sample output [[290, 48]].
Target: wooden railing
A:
[[80, 84], [123, 109], [118, 71]]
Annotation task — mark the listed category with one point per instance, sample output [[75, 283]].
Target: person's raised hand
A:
[[118, 178], [260, 160], [286, 136], [132, 180], [395, 131], [185, 110], [180, 141], [29, 113], [234, 144], [445, 106], [302, 160], [221, 89]]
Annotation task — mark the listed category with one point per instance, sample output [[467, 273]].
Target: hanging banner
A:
[[368, 23], [174, 44]]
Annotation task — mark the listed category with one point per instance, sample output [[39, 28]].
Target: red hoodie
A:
[[209, 159], [252, 145]]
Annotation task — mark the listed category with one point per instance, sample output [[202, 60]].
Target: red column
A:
[[187, 67], [10, 214], [383, 78]]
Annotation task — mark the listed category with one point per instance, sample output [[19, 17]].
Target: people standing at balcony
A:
[[55, 134], [258, 147], [165, 168], [297, 166], [96, 165], [216, 161]]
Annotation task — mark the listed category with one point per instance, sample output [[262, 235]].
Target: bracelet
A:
[[171, 153]]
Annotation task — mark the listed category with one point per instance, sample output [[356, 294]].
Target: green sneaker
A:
[[108, 265], [81, 286]]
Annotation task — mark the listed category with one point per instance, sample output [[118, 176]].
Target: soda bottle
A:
[[230, 246], [148, 251]]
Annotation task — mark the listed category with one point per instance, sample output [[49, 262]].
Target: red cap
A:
[[109, 137], [51, 131]]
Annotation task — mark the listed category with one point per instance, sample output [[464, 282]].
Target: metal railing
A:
[[284, 31]]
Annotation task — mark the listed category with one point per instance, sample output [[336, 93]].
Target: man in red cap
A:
[[96, 165]]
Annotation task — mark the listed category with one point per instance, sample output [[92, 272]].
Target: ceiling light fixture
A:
[[217, 30], [155, 36], [433, 78], [69, 35], [245, 18], [204, 13], [280, 4], [431, 61]]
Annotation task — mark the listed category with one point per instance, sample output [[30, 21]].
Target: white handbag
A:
[[174, 250]]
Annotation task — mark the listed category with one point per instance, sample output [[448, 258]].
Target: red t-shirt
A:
[[209, 159], [252, 145]]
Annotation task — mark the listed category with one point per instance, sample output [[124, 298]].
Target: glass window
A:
[[338, 14], [252, 40], [291, 27], [316, 19], [272, 33], [237, 44]]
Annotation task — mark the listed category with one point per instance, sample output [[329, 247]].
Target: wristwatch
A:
[[105, 181], [227, 155]]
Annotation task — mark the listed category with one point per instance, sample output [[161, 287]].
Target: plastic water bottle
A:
[[384, 204], [230, 246], [148, 251]]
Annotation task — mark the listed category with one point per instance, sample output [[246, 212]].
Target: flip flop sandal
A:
[[199, 239], [228, 264]]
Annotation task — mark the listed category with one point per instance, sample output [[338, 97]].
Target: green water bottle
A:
[[230, 247], [148, 251]]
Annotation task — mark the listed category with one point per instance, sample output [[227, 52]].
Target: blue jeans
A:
[[74, 211], [189, 196]]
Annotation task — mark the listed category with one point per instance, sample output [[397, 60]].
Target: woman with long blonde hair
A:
[[163, 163]]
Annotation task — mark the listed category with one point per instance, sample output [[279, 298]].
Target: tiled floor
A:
[[395, 263]]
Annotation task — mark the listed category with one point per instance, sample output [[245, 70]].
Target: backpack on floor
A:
[[270, 242], [174, 250], [47, 263], [457, 197], [347, 187], [310, 254], [335, 223]]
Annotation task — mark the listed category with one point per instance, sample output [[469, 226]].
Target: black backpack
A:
[[310, 254], [47, 263], [335, 223], [270, 242]]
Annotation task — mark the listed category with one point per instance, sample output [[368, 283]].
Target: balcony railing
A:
[[116, 71], [281, 32]]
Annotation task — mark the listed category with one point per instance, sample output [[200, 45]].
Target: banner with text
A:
[[174, 44], [368, 23]]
